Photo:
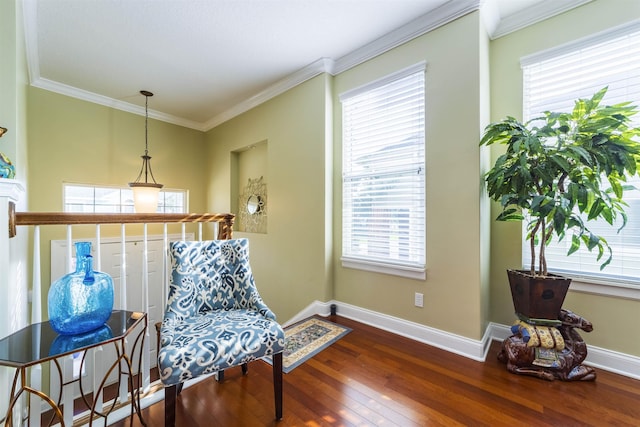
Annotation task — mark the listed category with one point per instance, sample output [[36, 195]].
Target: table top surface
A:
[[38, 342]]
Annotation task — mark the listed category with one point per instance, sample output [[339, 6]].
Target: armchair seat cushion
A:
[[215, 340]]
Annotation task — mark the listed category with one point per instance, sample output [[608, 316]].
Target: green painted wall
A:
[[13, 87], [80, 142], [615, 320], [290, 262], [454, 292]]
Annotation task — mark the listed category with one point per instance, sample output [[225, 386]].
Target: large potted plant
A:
[[560, 171]]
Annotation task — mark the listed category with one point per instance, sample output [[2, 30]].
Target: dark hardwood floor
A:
[[375, 378]]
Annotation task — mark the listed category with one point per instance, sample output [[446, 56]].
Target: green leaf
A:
[[608, 260], [616, 187], [575, 244], [581, 154], [510, 215], [596, 209]]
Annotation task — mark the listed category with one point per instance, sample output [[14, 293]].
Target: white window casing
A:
[[86, 198], [383, 175], [552, 81]]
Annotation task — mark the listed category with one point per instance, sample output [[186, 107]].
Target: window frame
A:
[[609, 285], [413, 268], [121, 206]]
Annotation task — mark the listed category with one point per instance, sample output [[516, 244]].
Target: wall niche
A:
[[249, 188]]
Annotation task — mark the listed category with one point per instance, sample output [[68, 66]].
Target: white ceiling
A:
[[208, 60]]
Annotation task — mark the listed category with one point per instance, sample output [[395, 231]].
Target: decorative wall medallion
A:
[[252, 207]]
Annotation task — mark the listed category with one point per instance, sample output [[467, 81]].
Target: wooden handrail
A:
[[226, 220]]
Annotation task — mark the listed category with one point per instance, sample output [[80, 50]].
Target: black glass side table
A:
[[39, 343]]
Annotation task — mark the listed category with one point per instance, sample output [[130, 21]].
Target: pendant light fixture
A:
[[145, 193]]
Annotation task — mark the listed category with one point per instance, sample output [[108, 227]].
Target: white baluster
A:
[[124, 389], [67, 392], [98, 371], [123, 268], [98, 258], [36, 317], [146, 358], [165, 267], [36, 292], [69, 250]]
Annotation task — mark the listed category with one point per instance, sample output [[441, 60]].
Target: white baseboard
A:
[[601, 358], [316, 308], [474, 349], [613, 361]]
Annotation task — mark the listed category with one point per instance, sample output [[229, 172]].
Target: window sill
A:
[[605, 288], [408, 271]]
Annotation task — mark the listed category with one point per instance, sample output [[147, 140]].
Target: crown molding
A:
[[322, 65], [30, 17], [428, 22], [539, 12], [84, 95], [419, 26], [439, 17]]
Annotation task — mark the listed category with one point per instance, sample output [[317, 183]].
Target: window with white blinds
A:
[[383, 180], [553, 80]]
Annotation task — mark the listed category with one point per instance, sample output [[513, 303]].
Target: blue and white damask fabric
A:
[[215, 317]]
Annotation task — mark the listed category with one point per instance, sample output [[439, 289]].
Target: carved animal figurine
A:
[[567, 365]]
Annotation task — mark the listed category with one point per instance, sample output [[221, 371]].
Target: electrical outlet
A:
[[419, 300]]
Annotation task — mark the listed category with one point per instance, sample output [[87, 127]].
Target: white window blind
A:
[[553, 80], [383, 181]]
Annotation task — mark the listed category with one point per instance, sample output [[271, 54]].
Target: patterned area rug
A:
[[307, 338]]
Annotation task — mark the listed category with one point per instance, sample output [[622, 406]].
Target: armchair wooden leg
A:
[[245, 368], [220, 375], [277, 383], [170, 395]]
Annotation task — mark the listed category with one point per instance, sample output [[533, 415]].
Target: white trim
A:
[[411, 272], [584, 42], [30, 18], [434, 19], [458, 344], [534, 14], [444, 14], [84, 95], [430, 21], [405, 72], [11, 189], [322, 65], [316, 308], [613, 361], [610, 289], [601, 358]]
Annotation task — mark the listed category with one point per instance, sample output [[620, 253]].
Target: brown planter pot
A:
[[537, 297]]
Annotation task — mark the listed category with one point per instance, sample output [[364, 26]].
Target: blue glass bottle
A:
[[83, 300]]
